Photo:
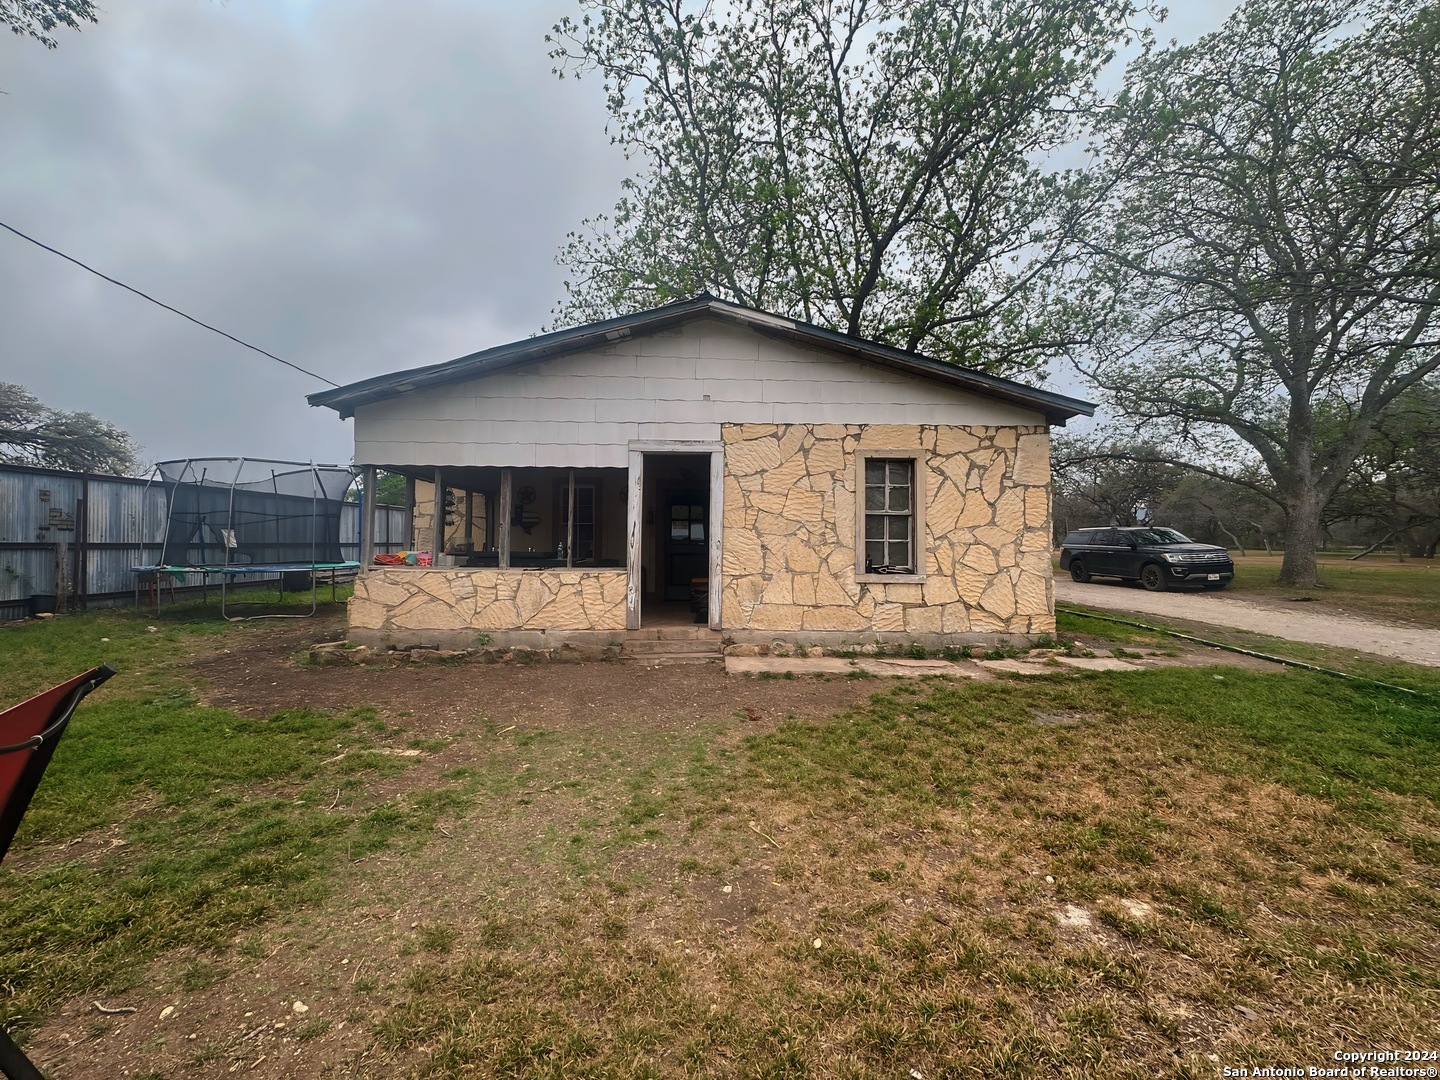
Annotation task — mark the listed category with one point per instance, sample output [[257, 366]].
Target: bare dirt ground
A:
[[1279, 618], [258, 676]]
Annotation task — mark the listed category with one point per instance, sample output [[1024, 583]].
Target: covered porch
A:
[[527, 555]]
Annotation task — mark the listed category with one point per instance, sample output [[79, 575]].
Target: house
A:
[[707, 462]]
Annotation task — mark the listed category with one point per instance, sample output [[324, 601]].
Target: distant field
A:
[[1379, 586]]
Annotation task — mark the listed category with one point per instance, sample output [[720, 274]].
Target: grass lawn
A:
[[1156, 873], [1376, 585]]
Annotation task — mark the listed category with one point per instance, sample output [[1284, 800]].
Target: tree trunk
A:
[[1302, 538], [1233, 538]]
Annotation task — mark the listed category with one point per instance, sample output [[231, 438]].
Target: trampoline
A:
[[235, 518]]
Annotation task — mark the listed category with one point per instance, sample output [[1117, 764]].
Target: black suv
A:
[[1157, 558]]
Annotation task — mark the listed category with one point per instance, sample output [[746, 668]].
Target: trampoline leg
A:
[[15, 1064]]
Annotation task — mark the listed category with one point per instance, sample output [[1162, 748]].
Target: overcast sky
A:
[[358, 186]]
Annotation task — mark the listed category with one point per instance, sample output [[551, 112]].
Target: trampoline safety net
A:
[[237, 512]]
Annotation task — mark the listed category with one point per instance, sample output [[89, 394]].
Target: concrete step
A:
[[698, 632], [672, 659], [660, 647]]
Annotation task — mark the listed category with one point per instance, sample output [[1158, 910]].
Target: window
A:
[[687, 522], [584, 520], [889, 515]]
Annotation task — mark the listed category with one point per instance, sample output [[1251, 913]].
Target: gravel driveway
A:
[[1294, 621]]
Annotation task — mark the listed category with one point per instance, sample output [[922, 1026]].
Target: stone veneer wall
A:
[[788, 546], [423, 605]]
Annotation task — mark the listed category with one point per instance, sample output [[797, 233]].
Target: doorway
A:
[[675, 539]]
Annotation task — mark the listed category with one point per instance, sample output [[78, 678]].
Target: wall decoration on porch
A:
[[519, 516]]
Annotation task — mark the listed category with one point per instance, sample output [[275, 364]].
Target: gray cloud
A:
[[355, 185]]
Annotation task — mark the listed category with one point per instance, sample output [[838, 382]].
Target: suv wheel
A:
[[1078, 571], [1152, 576]]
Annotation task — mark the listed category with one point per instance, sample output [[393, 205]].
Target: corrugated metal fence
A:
[[102, 526]]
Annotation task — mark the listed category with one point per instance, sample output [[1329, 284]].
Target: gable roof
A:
[[1056, 408]]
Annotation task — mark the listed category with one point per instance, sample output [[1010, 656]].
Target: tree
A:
[[867, 165], [389, 489], [1102, 483], [1099, 482], [1219, 512], [34, 434], [1271, 251], [1394, 483], [36, 18]]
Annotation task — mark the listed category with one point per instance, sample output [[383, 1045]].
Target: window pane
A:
[[697, 530], [874, 528], [899, 528], [697, 513], [899, 473], [874, 471], [899, 498], [679, 530], [900, 554], [679, 513], [874, 498], [875, 554]]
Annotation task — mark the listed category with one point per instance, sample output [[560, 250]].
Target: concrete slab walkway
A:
[[904, 667]]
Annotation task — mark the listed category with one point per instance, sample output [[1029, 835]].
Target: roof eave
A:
[[1056, 408]]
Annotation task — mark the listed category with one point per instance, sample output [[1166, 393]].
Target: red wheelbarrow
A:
[[28, 734]]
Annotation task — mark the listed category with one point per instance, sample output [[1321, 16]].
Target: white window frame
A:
[[918, 546]]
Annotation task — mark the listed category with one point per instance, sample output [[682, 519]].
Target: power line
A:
[[167, 307]]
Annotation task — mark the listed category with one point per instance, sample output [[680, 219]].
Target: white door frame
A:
[[635, 513]]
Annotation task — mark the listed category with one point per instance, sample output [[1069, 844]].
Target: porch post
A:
[[409, 513], [570, 524], [502, 519], [437, 532], [717, 521], [469, 518], [367, 518], [634, 522]]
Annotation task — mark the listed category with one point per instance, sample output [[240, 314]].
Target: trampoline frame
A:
[[227, 570]]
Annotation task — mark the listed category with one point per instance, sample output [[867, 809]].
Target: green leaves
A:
[[36, 18], [1272, 237], [34, 434], [866, 167]]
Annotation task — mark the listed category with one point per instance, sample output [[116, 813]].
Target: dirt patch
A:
[[261, 675]]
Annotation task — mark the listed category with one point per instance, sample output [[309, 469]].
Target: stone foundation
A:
[[788, 547], [452, 606]]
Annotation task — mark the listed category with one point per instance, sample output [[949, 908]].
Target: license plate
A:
[[1212, 577]]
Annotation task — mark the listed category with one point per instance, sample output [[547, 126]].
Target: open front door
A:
[[674, 548]]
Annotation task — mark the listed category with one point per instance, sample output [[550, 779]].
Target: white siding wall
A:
[[582, 410]]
